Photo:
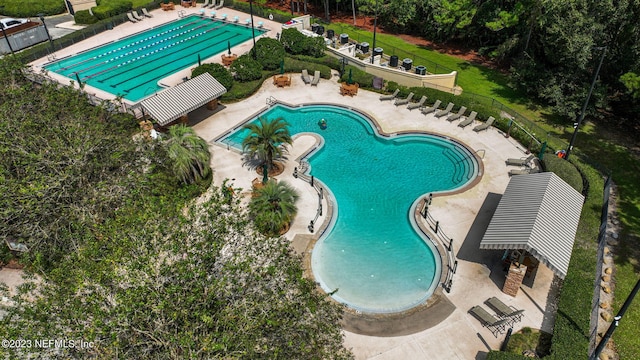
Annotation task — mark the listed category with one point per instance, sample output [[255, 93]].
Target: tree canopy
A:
[[126, 258]]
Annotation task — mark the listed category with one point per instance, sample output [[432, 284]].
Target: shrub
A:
[[109, 9], [362, 78], [269, 53], [295, 65], [217, 71], [85, 17], [246, 69], [565, 170], [23, 9], [293, 41], [314, 46]]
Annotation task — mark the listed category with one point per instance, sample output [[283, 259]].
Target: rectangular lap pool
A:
[[131, 67]]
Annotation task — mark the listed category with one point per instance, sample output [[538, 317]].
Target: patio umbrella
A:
[[265, 173], [542, 150], [281, 66], [350, 79], [229, 47], [199, 62]]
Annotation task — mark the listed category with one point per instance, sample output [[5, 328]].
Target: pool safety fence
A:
[[445, 241]]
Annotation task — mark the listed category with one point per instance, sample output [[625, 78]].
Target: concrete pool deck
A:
[[463, 216]]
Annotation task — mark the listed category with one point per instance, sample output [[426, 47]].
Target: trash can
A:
[[344, 38], [330, 34], [393, 61], [320, 30], [364, 47], [421, 70], [314, 28], [406, 64], [377, 51]]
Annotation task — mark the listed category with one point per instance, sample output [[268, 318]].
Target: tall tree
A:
[[267, 140]]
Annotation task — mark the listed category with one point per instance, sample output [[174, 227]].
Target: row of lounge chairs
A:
[[313, 81], [468, 120], [213, 4], [134, 17], [506, 315]]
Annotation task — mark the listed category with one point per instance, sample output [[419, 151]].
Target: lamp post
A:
[[586, 101], [41, 16], [375, 25], [253, 29]]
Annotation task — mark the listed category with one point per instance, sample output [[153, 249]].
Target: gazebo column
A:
[[514, 279], [213, 104]]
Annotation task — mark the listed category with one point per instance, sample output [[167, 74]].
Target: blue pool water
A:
[[131, 67], [372, 254]]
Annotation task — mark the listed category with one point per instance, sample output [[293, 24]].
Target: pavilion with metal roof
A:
[[538, 213], [176, 102]]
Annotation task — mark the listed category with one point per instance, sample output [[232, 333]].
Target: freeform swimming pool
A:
[[131, 67], [372, 255]]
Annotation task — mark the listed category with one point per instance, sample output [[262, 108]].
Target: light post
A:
[[375, 25], [253, 30], [41, 16], [584, 106]]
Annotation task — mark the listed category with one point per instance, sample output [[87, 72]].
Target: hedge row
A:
[[25, 9]]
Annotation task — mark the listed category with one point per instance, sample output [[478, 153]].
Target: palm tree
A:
[[266, 140], [189, 154], [274, 207]]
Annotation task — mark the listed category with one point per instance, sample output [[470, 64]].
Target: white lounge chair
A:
[[445, 112], [430, 109], [136, 15], [418, 104], [524, 161], [305, 76], [316, 78], [468, 120], [205, 4], [403, 101], [219, 6], [454, 117], [131, 18], [484, 126], [146, 13], [390, 97]]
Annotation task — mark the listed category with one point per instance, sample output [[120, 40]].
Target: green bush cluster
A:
[[296, 66], [364, 79], [269, 53], [246, 69], [297, 43], [112, 8], [24, 9], [565, 170], [85, 17], [218, 71], [278, 15]]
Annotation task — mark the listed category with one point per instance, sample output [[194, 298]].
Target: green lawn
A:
[[471, 77]]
